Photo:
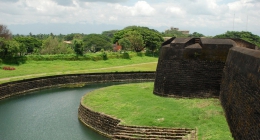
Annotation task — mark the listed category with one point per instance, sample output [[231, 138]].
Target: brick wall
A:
[[189, 69], [240, 93], [24, 86]]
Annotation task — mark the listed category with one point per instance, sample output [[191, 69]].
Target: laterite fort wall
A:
[[224, 68], [111, 128], [190, 67], [24, 86], [240, 93]]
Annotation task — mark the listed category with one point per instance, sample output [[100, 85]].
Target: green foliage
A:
[[94, 42], [78, 47], [136, 40], [136, 105], [247, 36], [30, 44], [196, 34], [109, 34], [4, 32], [69, 37], [9, 48], [152, 39], [125, 43], [53, 46], [173, 33]]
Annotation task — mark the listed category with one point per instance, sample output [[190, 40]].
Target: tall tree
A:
[[151, 38], [4, 32], [78, 47], [136, 40]]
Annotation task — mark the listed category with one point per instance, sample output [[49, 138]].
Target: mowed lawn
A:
[[33, 69], [135, 104]]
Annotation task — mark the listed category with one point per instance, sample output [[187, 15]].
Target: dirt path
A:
[[67, 72]]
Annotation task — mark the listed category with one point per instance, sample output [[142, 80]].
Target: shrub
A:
[[125, 55]]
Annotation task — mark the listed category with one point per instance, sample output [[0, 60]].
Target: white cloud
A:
[[203, 15], [142, 8]]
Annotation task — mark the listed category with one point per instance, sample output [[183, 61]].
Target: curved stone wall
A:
[[191, 67], [240, 93], [224, 68], [24, 86], [110, 127]]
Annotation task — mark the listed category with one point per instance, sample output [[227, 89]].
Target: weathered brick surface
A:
[[240, 93], [188, 78], [191, 67], [100, 122], [110, 127], [209, 67], [24, 86]]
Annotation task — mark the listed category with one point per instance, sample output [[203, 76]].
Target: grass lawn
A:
[[33, 69], [135, 104]]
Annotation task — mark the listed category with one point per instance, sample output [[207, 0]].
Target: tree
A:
[[9, 48], [125, 43], [53, 46], [173, 32], [78, 47], [29, 43], [109, 34], [151, 38], [136, 40], [247, 36], [4, 32], [196, 34], [96, 42]]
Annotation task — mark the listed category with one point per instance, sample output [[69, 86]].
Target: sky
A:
[[209, 17]]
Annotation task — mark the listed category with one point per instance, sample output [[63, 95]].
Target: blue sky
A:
[[209, 17]]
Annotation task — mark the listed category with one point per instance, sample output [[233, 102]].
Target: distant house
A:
[[67, 42], [117, 47]]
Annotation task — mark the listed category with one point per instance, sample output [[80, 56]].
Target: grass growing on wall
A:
[[43, 68], [135, 104]]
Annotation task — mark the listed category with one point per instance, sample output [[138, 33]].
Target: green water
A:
[[50, 114]]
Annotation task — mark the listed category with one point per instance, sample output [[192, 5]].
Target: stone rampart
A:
[[240, 93], [111, 127], [224, 68], [24, 86], [191, 67]]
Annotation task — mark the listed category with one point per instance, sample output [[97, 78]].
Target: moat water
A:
[[50, 114]]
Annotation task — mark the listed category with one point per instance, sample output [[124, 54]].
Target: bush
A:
[[1, 61], [15, 60], [125, 55]]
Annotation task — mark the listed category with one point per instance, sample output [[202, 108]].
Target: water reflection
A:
[[46, 115]]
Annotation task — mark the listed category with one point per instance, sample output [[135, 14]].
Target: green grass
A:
[[33, 69], [135, 104]]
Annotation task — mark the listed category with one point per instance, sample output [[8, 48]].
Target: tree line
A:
[[131, 38]]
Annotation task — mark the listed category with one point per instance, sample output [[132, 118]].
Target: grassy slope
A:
[[135, 104], [44, 68]]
